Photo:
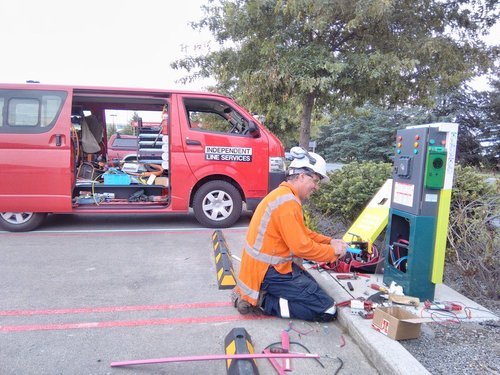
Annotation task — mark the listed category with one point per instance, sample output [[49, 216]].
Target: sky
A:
[[124, 43]]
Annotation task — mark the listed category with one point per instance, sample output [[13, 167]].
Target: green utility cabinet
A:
[[422, 167]]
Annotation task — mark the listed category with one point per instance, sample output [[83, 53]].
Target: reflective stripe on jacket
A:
[[276, 234]]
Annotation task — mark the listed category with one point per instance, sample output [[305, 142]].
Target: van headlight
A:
[[276, 164]]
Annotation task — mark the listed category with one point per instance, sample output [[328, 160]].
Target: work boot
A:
[[329, 315], [243, 306]]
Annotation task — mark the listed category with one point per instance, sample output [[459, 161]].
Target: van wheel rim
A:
[[217, 205], [16, 217]]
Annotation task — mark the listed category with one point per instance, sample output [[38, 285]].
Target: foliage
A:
[[473, 236], [283, 59], [350, 189], [478, 116], [367, 133], [470, 185], [110, 130], [128, 129], [310, 220]]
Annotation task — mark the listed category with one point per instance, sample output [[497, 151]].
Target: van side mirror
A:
[[253, 129]]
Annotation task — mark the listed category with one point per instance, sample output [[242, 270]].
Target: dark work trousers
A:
[[306, 299]]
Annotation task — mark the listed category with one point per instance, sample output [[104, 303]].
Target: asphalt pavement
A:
[[83, 292]]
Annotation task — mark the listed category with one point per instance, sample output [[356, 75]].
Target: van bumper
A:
[[275, 179]]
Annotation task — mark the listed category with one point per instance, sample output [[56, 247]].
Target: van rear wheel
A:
[[21, 221], [217, 204]]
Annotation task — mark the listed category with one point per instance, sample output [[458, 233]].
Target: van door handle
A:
[[192, 142], [58, 140]]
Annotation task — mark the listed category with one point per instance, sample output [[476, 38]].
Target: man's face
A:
[[308, 183]]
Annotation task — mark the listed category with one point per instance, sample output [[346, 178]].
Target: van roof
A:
[[103, 90]]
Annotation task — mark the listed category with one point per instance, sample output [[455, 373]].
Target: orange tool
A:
[[379, 288]]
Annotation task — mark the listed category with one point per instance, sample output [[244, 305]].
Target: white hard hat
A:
[[309, 160]]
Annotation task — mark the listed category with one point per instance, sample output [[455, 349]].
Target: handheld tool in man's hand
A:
[[354, 250]]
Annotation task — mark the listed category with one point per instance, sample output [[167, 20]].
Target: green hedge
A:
[[350, 189]]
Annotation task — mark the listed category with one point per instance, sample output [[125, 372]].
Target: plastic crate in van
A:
[[114, 177]]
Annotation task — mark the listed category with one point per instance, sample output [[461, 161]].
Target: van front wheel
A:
[[21, 221], [217, 204]]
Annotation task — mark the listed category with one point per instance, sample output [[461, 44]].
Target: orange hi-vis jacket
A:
[[276, 235]]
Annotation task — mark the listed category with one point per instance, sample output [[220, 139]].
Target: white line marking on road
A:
[[121, 230]]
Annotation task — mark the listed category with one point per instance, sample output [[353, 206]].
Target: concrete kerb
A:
[[388, 356]]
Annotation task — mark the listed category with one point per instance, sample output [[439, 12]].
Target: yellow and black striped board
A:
[[224, 267], [238, 341]]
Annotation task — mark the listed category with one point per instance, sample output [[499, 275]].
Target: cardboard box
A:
[[397, 323]]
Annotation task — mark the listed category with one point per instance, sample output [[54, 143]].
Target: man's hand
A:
[[340, 247]]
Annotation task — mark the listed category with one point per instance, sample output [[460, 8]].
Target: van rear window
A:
[[29, 111], [125, 143]]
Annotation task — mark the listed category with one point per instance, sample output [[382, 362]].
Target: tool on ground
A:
[[366, 314], [368, 305], [344, 303], [404, 300], [358, 306], [346, 276], [349, 285], [379, 288], [446, 306], [348, 302], [273, 361], [378, 297], [351, 276], [283, 347]]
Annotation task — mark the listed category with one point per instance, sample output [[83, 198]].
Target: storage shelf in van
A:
[[151, 150], [122, 205], [158, 144]]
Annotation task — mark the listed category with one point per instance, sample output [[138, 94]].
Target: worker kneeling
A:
[[271, 279]]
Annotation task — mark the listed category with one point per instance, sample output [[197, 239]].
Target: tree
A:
[[478, 116], [367, 133], [284, 59]]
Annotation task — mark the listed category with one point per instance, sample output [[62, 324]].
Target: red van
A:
[[206, 152], [122, 146]]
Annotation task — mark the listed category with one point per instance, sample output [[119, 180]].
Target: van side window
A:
[[23, 112], [214, 116], [29, 111]]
